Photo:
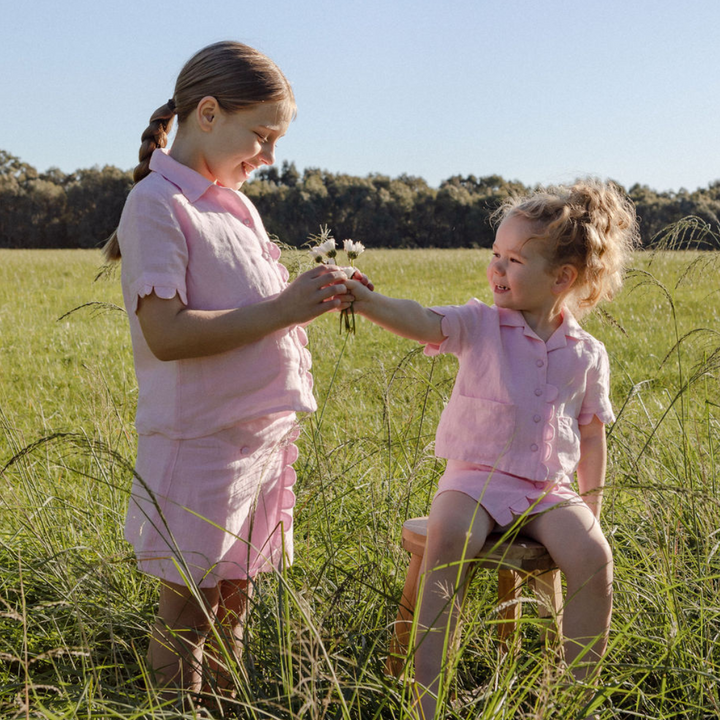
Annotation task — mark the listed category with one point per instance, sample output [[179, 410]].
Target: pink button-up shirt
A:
[[518, 401], [181, 234]]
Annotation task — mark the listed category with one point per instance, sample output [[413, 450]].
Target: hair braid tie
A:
[[171, 105]]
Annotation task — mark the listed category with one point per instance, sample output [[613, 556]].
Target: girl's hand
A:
[[313, 293], [359, 289], [358, 280], [359, 277]]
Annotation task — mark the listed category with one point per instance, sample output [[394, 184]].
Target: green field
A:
[[74, 612]]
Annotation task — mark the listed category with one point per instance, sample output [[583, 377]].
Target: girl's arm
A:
[[175, 332], [403, 317], [593, 460]]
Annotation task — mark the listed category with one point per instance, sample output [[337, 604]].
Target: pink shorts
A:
[[218, 507], [503, 496]]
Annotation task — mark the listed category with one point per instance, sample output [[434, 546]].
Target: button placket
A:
[[538, 417]]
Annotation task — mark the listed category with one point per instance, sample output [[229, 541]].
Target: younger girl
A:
[[527, 411], [219, 353]]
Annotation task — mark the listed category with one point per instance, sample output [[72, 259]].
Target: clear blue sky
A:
[[539, 91]]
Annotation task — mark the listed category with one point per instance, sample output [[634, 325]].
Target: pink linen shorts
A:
[[505, 497], [218, 507]]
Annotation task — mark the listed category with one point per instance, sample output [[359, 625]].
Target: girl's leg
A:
[[231, 615], [457, 529], [576, 542], [178, 636]]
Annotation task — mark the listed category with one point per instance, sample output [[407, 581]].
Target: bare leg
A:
[[178, 636], [457, 530], [231, 615], [576, 542]]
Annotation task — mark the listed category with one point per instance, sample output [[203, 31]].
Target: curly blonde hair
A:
[[590, 225], [236, 75]]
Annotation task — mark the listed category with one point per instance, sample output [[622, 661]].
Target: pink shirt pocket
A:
[[476, 430]]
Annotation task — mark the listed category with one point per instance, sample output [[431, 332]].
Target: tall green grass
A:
[[75, 613]]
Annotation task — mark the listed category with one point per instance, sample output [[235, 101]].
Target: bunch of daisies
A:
[[325, 252]]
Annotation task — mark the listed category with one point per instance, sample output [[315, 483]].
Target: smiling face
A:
[[233, 145], [520, 277]]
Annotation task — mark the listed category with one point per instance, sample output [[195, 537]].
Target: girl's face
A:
[[233, 145], [519, 275]]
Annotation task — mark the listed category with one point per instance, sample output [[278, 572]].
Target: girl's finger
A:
[[333, 290], [332, 281], [322, 271]]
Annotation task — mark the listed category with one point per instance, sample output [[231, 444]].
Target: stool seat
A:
[[516, 560], [521, 552]]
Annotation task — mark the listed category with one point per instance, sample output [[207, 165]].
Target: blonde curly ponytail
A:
[[236, 75], [590, 225]]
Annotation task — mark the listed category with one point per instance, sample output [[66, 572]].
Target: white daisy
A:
[[328, 248], [317, 254], [353, 249]]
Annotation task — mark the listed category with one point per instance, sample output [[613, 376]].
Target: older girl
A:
[[219, 351]]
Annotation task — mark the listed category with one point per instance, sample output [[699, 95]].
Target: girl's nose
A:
[[267, 155]]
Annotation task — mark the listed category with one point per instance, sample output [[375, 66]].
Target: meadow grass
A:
[[75, 613]]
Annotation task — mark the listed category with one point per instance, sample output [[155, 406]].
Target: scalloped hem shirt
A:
[[182, 235]]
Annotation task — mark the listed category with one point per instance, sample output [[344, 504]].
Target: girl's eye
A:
[[262, 138]]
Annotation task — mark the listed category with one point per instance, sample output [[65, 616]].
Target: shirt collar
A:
[[569, 327], [191, 183]]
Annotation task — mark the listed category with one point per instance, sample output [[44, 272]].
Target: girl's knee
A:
[[600, 556], [448, 544], [592, 565], [181, 608]]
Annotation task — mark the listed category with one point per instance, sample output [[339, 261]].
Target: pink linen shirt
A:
[[518, 402], [181, 234]]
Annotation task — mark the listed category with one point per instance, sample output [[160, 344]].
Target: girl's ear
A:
[[206, 113], [565, 277]]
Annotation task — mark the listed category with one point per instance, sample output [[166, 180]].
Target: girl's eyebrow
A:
[[271, 129]]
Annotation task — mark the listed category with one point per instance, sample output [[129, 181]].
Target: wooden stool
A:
[[515, 560]]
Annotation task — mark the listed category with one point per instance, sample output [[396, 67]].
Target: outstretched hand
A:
[[313, 293], [359, 280], [358, 289]]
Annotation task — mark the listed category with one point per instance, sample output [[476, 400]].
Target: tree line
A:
[[81, 209]]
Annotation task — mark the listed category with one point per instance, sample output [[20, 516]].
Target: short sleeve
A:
[[459, 324], [597, 393], [153, 246]]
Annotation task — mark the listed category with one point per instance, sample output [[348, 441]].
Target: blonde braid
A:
[[154, 137]]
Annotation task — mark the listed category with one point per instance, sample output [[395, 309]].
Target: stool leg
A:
[[509, 586], [548, 589], [400, 639]]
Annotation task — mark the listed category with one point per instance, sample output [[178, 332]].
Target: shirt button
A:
[[539, 363], [538, 392], [536, 418], [247, 223], [534, 447]]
